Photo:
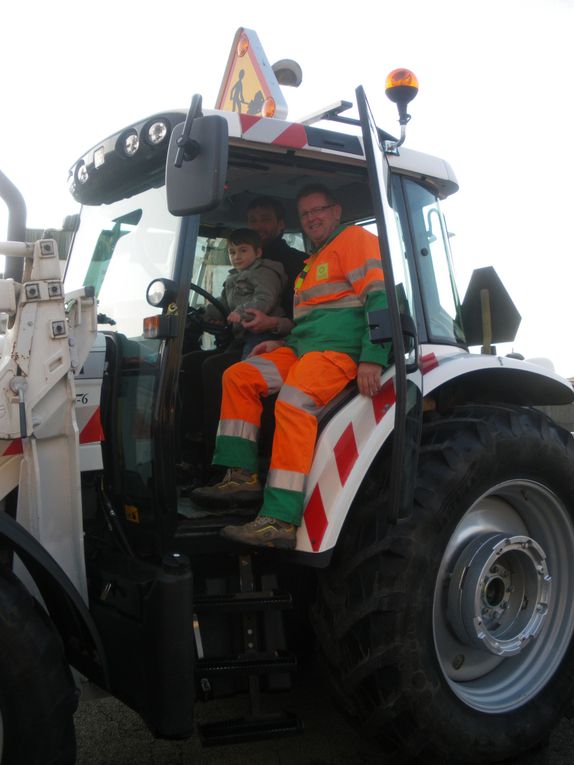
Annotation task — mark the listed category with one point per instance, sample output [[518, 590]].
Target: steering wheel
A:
[[196, 317]]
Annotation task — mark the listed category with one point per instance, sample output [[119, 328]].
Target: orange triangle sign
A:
[[249, 85]]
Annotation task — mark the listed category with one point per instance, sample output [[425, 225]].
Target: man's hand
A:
[[266, 347], [234, 317], [369, 378], [259, 322]]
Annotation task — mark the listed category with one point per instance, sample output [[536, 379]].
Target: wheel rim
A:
[[502, 616]]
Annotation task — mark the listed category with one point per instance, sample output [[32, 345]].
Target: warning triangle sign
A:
[[249, 85]]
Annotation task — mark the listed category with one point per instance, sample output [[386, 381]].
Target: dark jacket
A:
[[292, 261]]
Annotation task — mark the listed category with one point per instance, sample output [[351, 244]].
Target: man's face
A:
[[319, 217], [266, 223]]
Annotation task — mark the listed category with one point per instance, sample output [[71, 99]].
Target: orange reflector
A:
[[400, 77], [132, 513], [242, 45], [268, 108], [161, 326], [151, 326]]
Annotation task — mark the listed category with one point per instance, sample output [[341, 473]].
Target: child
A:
[[253, 282]]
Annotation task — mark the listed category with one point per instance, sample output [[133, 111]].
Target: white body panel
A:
[[88, 394], [45, 345]]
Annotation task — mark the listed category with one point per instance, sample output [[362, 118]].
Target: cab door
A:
[[398, 322]]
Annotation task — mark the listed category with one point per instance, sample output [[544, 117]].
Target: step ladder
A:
[[252, 663]]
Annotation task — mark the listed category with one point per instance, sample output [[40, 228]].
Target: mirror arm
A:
[[188, 148]]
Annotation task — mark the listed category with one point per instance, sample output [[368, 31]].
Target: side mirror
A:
[[197, 184]]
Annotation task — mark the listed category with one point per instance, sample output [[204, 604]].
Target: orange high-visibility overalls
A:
[[343, 280]]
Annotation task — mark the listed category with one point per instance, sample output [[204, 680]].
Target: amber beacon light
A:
[[401, 86]]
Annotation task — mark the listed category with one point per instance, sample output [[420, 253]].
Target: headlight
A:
[[131, 144], [82, 173], [161, 292], [157, 132]]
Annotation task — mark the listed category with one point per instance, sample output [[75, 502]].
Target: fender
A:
[[498, 378], [352, 439], [69, 613]]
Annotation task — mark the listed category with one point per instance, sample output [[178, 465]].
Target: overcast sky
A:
[[496, 101]]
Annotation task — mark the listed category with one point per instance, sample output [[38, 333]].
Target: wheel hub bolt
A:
[[458, 661]]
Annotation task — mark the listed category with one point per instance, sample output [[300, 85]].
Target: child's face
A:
[[242, 255]]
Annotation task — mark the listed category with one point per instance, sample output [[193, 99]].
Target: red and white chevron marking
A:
[[89, 425], [266, 130], [345, 454]]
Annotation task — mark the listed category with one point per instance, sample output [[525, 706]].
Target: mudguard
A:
[[355, 435]]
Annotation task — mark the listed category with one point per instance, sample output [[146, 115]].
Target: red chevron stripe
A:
[[92, 431], [14, 448], [315, 519], [428, 362], [346, 453], [295, 137], [247, 121], [383, 401]]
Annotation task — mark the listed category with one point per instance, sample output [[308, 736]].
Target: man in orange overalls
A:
[[328, 347]]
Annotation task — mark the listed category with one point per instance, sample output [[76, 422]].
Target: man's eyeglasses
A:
[[315, 211]]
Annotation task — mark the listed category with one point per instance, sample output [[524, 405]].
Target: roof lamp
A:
[[131, 144], [157, 132], [82, 173], [99, 157]]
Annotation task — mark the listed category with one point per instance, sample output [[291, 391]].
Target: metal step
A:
[[240, 730], [277, 600], [247, 665]]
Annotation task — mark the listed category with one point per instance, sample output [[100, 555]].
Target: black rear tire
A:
[[38, 697], [444, 637]]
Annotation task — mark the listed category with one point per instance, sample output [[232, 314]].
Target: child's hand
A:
[[234, 317]]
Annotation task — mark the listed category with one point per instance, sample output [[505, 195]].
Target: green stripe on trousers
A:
[[235, 452], [284, 504]]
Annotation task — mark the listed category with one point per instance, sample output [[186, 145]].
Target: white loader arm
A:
[[48, 337]]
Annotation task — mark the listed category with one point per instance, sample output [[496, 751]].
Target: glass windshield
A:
[[119, 249], [434, 264]]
